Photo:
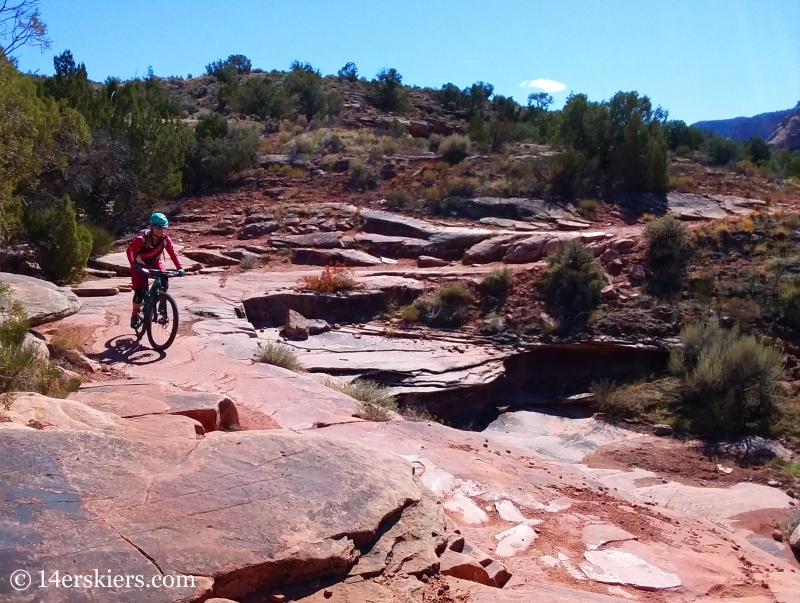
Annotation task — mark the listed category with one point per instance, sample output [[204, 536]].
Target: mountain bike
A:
[[161, 327]]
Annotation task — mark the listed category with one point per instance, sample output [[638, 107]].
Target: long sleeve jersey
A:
[[143, 250]]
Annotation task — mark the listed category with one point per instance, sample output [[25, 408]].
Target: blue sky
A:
[[700, 59]]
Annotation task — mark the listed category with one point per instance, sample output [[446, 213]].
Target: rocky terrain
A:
[[264, 485]]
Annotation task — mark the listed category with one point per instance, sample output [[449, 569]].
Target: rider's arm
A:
[[133, 247], [171, 251]]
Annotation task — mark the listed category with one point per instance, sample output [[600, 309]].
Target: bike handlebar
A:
[[153, 272]]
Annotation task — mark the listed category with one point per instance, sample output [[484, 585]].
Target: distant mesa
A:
[[742, 128]]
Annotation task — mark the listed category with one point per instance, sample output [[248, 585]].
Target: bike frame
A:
[[157, 286]]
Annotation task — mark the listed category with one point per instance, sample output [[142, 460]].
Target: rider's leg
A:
[[138, 298], [162, 306]]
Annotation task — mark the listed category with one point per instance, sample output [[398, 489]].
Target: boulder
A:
[[259, 217], [223, 231], [662, 429], [514, 208], [394, 247], [210, 257], [43, 301], [450, 244], [385, 223], [327, 257], [426, 261], [136, 398], [465, 567], [295, 326], [622, 246], [93, 289], [317, 326], [352, 306], [38, 343], [636, 273], [609, 256], [526, 250], [257, 229], [608, 293], [489, 250], [794, 539], [276, 508], [321, 240], [498, 573], [118, 263], [192, 217]]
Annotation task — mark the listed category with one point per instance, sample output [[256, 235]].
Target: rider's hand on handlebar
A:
[[181, 272], [144, 271]]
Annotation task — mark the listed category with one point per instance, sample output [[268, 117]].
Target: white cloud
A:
[[544, 84]]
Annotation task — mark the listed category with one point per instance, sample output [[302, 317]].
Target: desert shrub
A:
[[454, 148], [235, 63], [570, 175], [68, 338], [745, 168], [497, 282], [62, 245], [397, 129], [331, 280], [102, 240], [256, 96], [449, 307], [399, 200], [418, 415], [682, 184], [21, 366], [645, 401], [722, 150], [434, 140], [742, 311], [667, 253], [250, 262], [460, 187], [789, 304], [375, 399], [588, 208], [278, 355], [389, 146], [571, 286], [409, 313], [729, 380], [361, 176], [219, 151]]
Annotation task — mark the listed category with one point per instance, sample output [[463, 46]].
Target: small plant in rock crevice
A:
[[278, 355], [375, 400], [332, 280]]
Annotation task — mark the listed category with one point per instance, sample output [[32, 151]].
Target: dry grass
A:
[[67, 338], [377, 403], [332, 280], [278, 355]]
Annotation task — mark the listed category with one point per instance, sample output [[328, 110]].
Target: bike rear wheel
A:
[[162, 328]]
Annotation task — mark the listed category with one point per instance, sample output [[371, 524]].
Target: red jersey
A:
[[145, 251]]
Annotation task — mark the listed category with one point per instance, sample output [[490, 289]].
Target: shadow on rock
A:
[[125, 349]]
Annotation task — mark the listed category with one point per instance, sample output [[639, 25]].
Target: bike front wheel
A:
[[162, 327]]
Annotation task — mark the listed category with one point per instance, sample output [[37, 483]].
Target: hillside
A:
[[742, 128]]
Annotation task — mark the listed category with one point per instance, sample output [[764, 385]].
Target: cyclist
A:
[[145, 252]]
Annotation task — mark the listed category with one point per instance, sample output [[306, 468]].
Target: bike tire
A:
[[153, 322]]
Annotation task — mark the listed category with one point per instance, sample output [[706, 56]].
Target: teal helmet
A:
[[159, 220]]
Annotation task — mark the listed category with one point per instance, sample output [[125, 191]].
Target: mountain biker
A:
[[144, 253]]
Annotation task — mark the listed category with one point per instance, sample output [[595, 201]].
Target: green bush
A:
[[361, 176], [497, 282], [62, 245], [213, 159], [729, 381], [102, 240], [449, 307], [587, 208], [434, 140], [571, 175], [21, 366], [789, 304], [389, 89], [571, 286], [348, 73], [454, 148], [722, 150], [668, 252], [256, 96]]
